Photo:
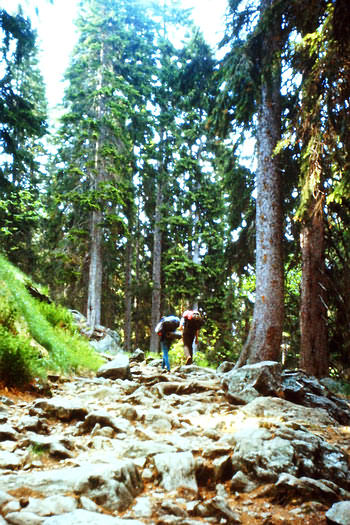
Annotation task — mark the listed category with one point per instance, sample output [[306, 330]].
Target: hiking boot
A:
[[189, 360]]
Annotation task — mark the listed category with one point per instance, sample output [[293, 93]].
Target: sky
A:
[[57, 34]]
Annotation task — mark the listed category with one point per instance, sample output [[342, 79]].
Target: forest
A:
[[141, 203]]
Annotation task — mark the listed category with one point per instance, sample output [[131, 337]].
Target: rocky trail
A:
[[133, 445]]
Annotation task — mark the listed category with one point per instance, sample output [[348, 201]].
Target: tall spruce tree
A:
[[22, 125], [171, 19], [321, 60], [251, 74], [110, 68]]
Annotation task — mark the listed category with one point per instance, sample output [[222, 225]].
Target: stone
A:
[[7, 432], [137, 356], [244, 384], [176, 470], [60, 408], [24, 518], [118, 368], [106, 345], [276, 408], [339, 513], [84, 517], [9, 460]]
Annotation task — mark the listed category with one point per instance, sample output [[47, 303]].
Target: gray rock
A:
[[8, 432], [222, 468], [169, 507], [225, 367], [267, 453], [104, 418], [61, 408], [220, 508], [9, 460], [106, 345], [118, 368], [143, 507], [56, 445], [308, 391], [84, 517], [146, 448], [51, 505], [24, 518], [88, 504], [263, 456], [339, 514], [113, 485], [34, 424], [176, 470], [274, 407], [11, 506], [244, 384], [137, 356], [190, 435], [242, 483], [129, 412], [113, 489], [290, 487], [5, 498]]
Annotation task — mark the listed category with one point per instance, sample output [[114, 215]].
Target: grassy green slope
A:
[[36, 338]]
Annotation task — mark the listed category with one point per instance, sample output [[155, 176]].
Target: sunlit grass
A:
[[37, 338]]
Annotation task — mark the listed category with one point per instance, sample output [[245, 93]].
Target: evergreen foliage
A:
[[150, 137], [22, 124]]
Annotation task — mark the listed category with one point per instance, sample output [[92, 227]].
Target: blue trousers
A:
[[165, 350]]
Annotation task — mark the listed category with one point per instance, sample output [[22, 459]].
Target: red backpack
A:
[[193, 319]]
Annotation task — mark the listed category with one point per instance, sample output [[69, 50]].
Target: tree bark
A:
[[95, 269], [95, 273], [156, 272], [265, 335], [313, 309], [128, 296]]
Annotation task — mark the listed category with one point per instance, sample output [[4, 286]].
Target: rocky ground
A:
[[134, 445]]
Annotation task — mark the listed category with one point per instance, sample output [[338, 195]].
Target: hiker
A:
[[166, 329], [191, 322]]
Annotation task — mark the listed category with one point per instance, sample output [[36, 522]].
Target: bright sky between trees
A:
[[57, 33]]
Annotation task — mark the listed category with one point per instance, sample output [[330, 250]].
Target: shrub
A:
[[57, 315], [8, 311], [20, 362]]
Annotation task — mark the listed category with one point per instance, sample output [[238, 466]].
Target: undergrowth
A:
[[37, 338], [177, 356]]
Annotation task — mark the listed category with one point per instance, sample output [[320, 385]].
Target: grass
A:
[[36, 338]]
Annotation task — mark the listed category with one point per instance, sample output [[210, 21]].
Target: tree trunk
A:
[[265, 335], [137, 324], [313, 310], [156, 273], [95, 270], [128, 296], [95, 273]]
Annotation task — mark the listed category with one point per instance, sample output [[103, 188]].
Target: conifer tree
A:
[[251, 86], [169, 17], [109, 71], [22, 125]]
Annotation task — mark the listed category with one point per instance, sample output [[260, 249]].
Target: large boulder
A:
[[244, 384], [106, 345], [118, 368], [308, 391]]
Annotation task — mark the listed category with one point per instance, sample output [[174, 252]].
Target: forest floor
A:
[[255, 507]]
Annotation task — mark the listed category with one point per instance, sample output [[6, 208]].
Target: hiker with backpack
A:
[[190, 324], [167, 331]]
